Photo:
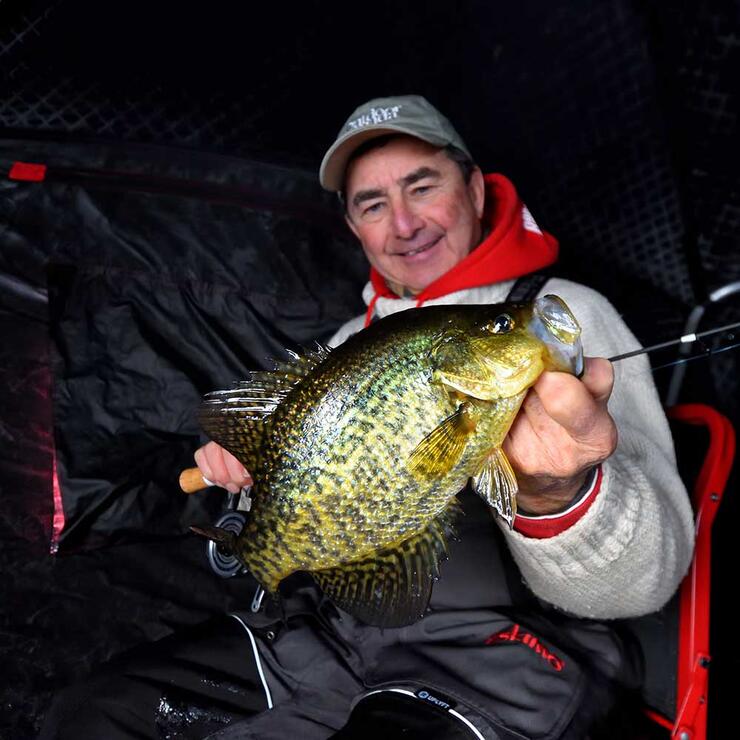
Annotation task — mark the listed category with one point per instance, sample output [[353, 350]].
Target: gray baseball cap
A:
[[403, 114]]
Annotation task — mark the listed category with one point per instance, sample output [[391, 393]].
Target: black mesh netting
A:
[[616, 120]]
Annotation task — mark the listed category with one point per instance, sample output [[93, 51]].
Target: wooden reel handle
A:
[[192, 480]]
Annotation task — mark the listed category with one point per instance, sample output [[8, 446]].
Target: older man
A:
[[604, 528], [435, 231]]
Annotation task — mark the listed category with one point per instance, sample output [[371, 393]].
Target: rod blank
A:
[[685, 339]]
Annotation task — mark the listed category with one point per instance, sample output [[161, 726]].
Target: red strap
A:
[[27, 172], [370, 309]]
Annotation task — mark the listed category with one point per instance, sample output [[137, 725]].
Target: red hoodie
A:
[[515, 246]]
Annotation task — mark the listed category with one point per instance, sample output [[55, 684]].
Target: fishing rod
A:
[[684, 340], [703, 355]]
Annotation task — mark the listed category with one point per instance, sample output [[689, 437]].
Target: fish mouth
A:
[[419, 250], [554, 324]]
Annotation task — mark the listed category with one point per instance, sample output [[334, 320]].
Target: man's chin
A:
[[413, 285], [411, 282]]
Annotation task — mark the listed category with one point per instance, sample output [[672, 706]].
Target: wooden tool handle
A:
[[192, 481]]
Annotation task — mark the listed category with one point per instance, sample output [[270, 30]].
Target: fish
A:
[[357, 452]]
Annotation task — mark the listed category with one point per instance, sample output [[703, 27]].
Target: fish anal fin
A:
[[392, 587], [442, 448], [496, 484]]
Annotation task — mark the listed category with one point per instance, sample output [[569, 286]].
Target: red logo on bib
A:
[[526, 638]]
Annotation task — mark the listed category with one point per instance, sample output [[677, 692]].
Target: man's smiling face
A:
[[413, 212]]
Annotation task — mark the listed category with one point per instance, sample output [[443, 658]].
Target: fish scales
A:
[[390, 409], [360, 458]]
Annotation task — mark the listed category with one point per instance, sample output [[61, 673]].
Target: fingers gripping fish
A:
[[357, 454]]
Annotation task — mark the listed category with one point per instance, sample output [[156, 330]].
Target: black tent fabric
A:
[[166, 275], [175, 236], [164, 281]]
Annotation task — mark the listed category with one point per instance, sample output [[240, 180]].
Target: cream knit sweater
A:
[[628, 553]]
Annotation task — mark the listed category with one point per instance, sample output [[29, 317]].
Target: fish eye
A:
[[502, 324]]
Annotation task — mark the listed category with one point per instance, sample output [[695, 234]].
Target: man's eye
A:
[[502, 324], [422, 189], [372, 209]]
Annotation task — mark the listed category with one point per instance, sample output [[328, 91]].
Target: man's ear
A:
[[477, 190], [351, 225]]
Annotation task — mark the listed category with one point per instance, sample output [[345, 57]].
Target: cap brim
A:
[[334, 164]]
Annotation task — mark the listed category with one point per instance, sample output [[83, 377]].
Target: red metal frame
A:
[[690, 722]]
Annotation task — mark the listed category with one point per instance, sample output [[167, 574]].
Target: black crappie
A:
[[357, 453]]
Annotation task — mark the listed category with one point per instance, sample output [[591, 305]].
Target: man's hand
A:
[[562, 430], [222, 468]]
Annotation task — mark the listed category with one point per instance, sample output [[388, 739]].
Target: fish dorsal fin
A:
[[235, 418], [496, 484], [392, 587], [443, 447], [300, 364]]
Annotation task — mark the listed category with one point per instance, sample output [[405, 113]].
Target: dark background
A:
[[182, 145]]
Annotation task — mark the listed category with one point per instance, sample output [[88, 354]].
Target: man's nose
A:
[[406, 221]]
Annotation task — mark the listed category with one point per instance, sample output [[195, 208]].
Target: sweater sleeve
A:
[[627, 554]]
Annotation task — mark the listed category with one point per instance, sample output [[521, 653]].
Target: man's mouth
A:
[[423, 248]]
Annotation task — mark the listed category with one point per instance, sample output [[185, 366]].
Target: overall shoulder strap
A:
[[527, 287]]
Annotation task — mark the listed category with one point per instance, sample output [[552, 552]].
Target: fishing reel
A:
[[238, 506], [223, 564]]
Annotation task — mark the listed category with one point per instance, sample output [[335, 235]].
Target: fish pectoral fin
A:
[[496, 484], [392, 587], [442, 448]]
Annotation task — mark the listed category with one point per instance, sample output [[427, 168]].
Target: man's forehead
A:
[[395, 162]]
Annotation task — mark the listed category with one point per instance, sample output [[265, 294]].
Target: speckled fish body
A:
[[357, 453]]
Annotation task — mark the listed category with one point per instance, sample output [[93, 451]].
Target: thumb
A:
[[598, 377]]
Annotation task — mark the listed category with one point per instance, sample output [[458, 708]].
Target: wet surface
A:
[[175, 717]]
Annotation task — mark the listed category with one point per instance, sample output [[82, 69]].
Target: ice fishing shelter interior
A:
[[162, 231]]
